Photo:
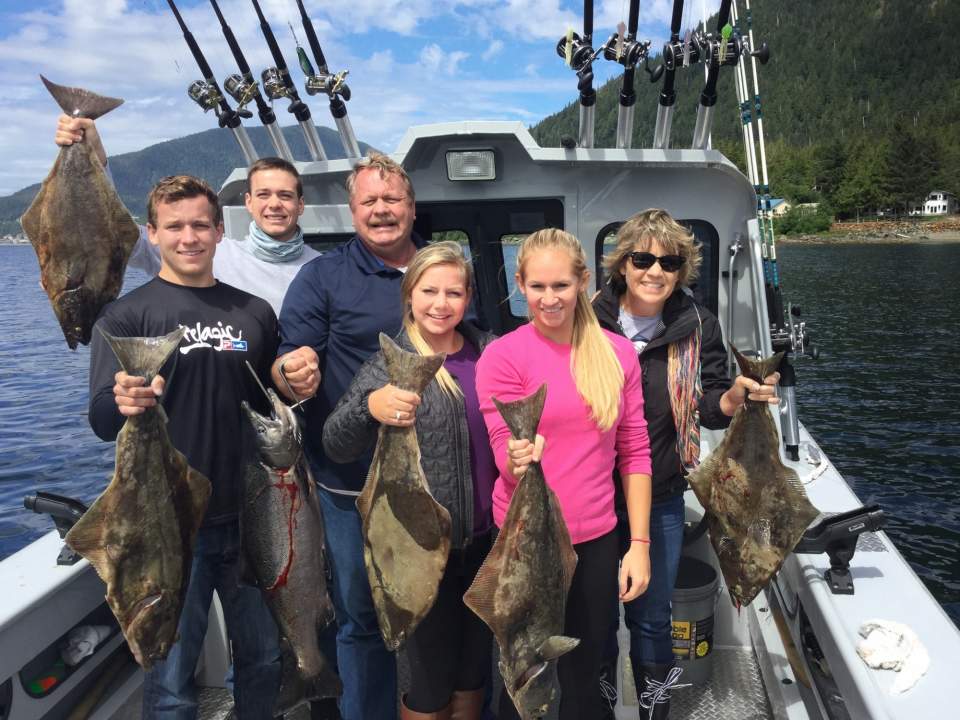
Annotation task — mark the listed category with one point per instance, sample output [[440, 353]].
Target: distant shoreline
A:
[[943, 237]]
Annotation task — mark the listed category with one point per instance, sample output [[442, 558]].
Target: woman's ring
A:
[[397, 416]]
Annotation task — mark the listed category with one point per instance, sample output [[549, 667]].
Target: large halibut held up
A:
[[521, 589], [406, 533], [756, 507], [139, 533], [78, 226], [283, 542]]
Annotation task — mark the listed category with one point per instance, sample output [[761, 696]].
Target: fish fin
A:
[[523, 416], [365, 498], [79, 102], [568, 556], [556, 645], [86, 538], [200, 490], [143, 356], [757, 369], [479, 597], [409, 371]]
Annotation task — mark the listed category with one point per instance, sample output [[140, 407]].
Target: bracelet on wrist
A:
[[645, 541]]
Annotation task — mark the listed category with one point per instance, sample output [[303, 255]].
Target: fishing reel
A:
[[579, 54], [329, 84], [628, 53], [243, 91], [206, 95], [679, 53], [274, 85], [794, 337]]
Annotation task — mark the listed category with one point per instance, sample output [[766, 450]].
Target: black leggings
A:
[[592, 597], [451, 648]]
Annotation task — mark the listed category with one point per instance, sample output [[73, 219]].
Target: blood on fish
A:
[[294, 492]]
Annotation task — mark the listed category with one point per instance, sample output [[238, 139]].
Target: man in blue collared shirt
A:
[[330, 323]]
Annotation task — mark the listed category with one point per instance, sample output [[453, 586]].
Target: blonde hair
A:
[[384, 165], [596, 370], [440, 253], [640, 231]]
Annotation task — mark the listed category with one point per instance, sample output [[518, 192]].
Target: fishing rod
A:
[[711, 57], [672, 57], [243, 88], [578, 53], [277, 83], [629, 52], [722, 48], [330, 84], [206, 93]]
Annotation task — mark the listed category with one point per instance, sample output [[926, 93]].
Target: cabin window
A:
[[493, 230], [705, 288], [457, 236], [509, 247]]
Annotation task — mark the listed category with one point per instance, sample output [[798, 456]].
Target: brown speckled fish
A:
[[756, 507], [78, 226], [521, 589], [139, 533], [406, 533]]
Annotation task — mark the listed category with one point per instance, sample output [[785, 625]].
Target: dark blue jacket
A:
[[339, 304]]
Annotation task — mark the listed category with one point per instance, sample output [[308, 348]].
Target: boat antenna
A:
[[243, 88], [206, 93], [578, 53], [674, 55], [629, 52], [277, 84], [330, 84]]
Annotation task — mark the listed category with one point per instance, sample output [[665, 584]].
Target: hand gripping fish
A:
[[78, 226], [406, 533], [756, 507], [139, 533], [521, 589], [283, 543]]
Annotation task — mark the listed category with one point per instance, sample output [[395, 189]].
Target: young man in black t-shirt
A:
[[225, 327]]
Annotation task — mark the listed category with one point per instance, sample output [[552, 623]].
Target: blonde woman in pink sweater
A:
[[592, 423]]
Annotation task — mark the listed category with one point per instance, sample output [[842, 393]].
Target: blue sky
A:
[[410, 62]]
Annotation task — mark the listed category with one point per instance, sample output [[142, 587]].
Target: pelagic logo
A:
[[218, 338]]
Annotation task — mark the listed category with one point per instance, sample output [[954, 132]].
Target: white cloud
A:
[[435, 59], [493, 49]]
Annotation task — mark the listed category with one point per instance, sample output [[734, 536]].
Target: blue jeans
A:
[[169, 691], [368, 670], [648, 617]]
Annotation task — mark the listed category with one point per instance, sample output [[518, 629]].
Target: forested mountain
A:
[[860, 100], [211, 154]]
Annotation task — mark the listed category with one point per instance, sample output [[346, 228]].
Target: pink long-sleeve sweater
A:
[[578, 459]]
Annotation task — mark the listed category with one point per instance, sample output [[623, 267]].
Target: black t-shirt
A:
[[206, 377]]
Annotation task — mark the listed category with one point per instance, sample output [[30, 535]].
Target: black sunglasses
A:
[[645, 261]]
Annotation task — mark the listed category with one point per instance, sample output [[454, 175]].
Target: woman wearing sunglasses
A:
[[647, 299]]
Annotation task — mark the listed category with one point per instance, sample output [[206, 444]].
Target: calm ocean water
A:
[[883, 399]]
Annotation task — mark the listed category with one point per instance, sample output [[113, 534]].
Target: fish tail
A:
[[757, 369], [143, 356], [523, 416], [80, 102], [409, 371]]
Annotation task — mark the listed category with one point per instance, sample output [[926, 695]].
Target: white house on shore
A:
[[940, 202]]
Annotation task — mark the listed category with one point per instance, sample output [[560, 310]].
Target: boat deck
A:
[[733, 692]]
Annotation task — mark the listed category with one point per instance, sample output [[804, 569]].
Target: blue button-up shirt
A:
[[339, 304]]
